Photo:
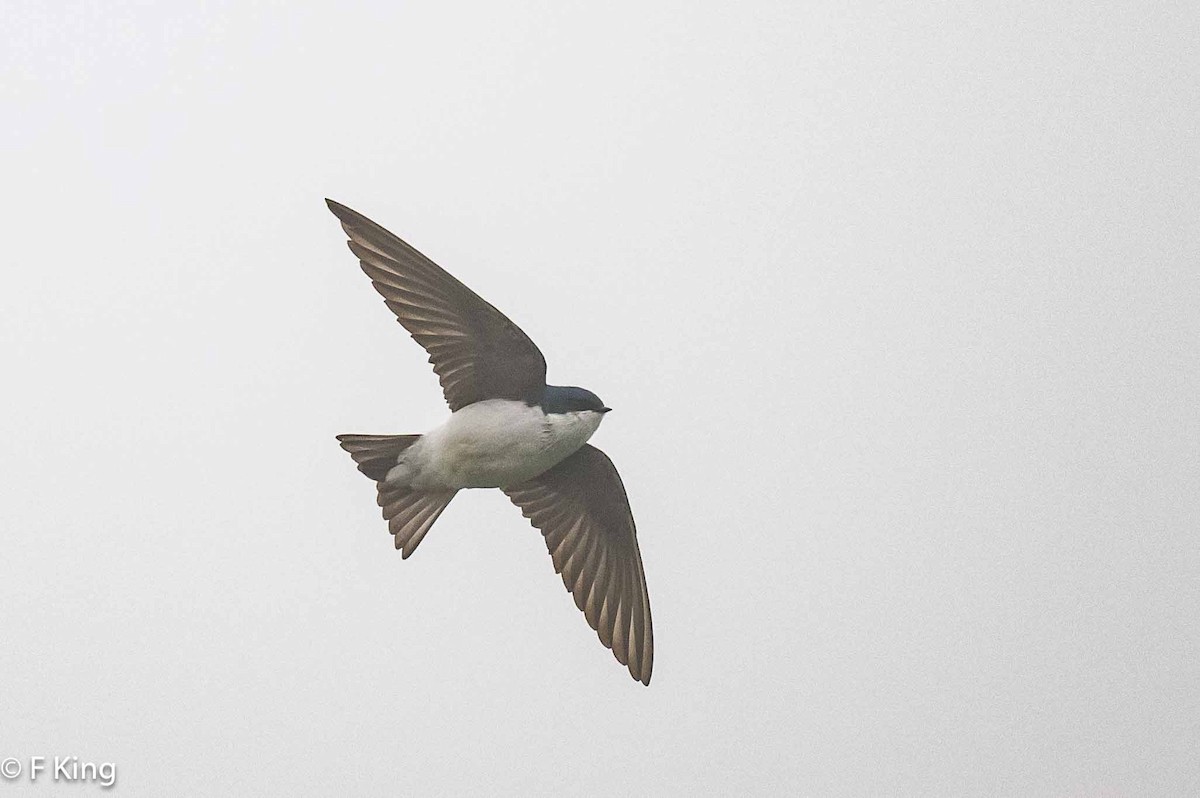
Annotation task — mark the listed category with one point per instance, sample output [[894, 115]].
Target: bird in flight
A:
[[507, 429]]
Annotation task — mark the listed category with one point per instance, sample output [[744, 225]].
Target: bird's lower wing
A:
[[582, 511]]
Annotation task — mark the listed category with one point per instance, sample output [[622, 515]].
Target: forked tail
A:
[[409, 513], [376, 455]]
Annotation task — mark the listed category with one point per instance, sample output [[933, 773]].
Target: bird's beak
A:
[[605, 409]]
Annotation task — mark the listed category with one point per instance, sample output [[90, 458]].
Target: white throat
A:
[[569, 431]]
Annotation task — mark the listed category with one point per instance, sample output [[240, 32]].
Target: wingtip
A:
[[643, 676], [350, 218]]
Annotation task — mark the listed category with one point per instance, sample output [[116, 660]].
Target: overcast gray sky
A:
[[897, 305]]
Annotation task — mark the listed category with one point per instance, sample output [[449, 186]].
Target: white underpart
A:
[[493, 444]]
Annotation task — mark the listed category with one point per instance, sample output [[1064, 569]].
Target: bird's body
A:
[[508, 429], [495, 443]]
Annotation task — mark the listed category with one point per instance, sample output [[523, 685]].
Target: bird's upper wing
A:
[[475, 350], [581, 508]]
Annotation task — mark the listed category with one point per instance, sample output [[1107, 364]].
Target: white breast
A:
[[492, 444]]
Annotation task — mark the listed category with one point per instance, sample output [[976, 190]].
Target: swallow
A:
[[507, 429]]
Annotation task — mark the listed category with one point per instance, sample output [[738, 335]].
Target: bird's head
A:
[[569, 399]]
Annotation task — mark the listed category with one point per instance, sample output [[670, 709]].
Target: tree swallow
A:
[[507, 429]]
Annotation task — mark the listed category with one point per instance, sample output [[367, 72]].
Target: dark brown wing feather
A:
[[581, 508], [477, 352]]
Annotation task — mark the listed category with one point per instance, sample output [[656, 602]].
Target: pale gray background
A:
[[897, 306]]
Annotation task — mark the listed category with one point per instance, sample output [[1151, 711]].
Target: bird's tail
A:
[[376, 455], [409, 513]]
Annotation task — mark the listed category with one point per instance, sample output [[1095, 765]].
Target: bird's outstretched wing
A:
[[581, 508], [474, 348]]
